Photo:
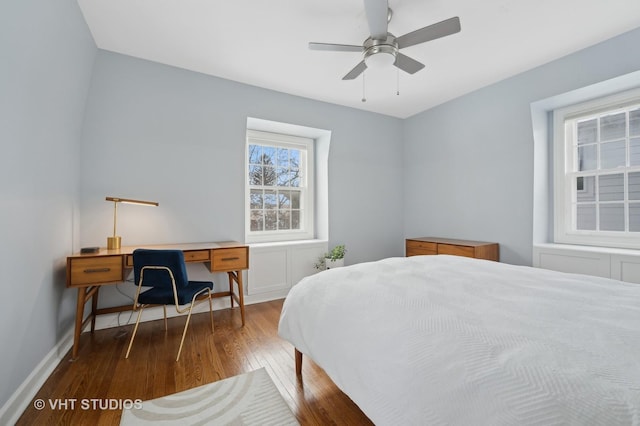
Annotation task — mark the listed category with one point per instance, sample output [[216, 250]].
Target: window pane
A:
[[586, 217], [268, 155], [257, 220], [295, 219], [255, 175], [283, 177], [613, 126], [612, 217], [283, 157], [294, 158], [634, 186], [284, 219], [586, 188], [270, 220], [611, 187], [270, 199], [269, 176], [634, 123], [587, 131], [612, 155], [634, 152], [284, 199], [587, 157], [295, 199], [256, 199], [255, 151], [634, 217], [294, 178]]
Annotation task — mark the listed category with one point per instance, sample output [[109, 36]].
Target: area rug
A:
[[247, 399]]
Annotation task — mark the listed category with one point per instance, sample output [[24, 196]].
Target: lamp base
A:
[[113, 243]]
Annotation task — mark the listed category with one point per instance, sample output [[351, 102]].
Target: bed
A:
[[430, 340]]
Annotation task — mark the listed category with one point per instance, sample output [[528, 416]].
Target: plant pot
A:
[[330, 264]]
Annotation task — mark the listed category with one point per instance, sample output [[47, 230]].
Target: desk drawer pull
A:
[[226, 259], [96, 270]]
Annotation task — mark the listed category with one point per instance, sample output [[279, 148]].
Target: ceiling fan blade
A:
[[377, 17], [356, 71], [335, 47], [407, 64], [431, 32]]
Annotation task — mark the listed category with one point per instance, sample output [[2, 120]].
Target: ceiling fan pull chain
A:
[[364, 99], [397, 81]]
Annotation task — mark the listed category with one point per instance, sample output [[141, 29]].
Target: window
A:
[[279, 196], [597, 172]]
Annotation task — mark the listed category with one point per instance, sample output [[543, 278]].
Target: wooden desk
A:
[[88, 272]]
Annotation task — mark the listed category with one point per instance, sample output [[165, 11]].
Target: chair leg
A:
[[135, 329], [165, 317], [184, 333]]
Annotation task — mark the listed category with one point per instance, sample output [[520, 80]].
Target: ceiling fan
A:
[[383, 47]]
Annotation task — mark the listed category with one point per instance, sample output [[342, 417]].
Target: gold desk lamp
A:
[[115, 241]]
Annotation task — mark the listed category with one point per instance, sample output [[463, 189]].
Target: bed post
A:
[[298, 362]]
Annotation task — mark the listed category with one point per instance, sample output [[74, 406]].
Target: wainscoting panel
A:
[[625, 268], [276, 267], [619, 264]]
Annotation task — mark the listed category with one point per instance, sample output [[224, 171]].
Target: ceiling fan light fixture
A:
[[380, 53], [380, 60]]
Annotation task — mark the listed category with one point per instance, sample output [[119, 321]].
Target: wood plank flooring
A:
[[102, 373]]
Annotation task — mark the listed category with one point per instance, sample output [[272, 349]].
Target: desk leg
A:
[[79, 315], [237, 277], [231, 288], [94, 308]]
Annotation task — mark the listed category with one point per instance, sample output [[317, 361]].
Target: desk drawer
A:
[[230, 259], [416, 248], [196, 255], [94, 270]]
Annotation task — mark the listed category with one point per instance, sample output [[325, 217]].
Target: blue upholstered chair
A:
[[166, 273]]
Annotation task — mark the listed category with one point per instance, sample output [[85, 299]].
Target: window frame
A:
[[307, 188], [564, 174]]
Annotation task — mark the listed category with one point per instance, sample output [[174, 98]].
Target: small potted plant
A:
[[332, 259]]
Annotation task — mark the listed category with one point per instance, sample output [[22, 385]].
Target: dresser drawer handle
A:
[[226, 259], [92, 271]]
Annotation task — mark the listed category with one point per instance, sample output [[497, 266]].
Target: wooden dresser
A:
[[433, 245]]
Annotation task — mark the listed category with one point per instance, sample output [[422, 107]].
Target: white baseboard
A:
[[19, 401], [15, 406]]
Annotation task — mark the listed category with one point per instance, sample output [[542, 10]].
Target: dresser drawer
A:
[[456, 250], [230, 259], [416, 248], [94, 270]]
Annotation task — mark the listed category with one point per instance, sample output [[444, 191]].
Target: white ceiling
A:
[[264, 42]]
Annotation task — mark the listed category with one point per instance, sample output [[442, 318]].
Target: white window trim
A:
[[563, 158], [307, 229]]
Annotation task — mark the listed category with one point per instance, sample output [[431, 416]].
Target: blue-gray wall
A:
[[178, 137], [468, 164], [463, 169], [46, 57]]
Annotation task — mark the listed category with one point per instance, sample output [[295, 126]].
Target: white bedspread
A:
[[431, 340]]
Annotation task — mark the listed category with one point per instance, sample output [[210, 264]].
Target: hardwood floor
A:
[[101, 372]]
